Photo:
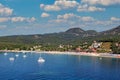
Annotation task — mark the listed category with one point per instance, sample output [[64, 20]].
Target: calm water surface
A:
[[58, 67]]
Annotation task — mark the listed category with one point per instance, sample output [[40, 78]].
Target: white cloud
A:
[[72, 18], [93, 8], [101, 2], [22, 19], [67, 16], [42, 5], [45, 15], [87, 18], [32, 19], [114, 19], [17, 19], [86, 8], [5, 11], [59, 5], [52, 8], [4, 19], [68, 4]]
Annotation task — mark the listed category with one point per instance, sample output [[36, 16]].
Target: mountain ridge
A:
[[76, 30], [69, 36]]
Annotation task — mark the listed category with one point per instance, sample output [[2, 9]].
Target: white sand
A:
[[71, 53]]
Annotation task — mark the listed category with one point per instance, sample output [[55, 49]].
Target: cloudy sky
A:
[[47, 16]]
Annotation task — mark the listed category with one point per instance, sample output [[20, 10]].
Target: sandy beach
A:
[[108, 55]]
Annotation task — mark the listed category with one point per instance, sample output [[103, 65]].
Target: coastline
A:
[[107, 55]]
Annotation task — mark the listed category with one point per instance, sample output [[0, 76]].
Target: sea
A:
[[25, 66]]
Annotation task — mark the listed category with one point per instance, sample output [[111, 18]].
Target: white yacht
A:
[[41, 60], [17, 55], [5, 54], [11, 58], [24, 56]]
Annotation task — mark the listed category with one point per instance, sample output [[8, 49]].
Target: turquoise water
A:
[[58, 67]]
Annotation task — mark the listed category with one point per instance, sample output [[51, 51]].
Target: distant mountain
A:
[[114, 31], [92, 32], [75, 30], [69, 36], [79, 31], [82, 33]]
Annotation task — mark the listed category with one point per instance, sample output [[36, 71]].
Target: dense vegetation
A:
[[70, 40]]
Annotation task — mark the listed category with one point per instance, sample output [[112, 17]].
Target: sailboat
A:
[[16, 55], [11, 58], [41, 60], [5, 53], [24, 56]]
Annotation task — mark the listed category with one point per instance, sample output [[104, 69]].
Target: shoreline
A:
[[107, 55]]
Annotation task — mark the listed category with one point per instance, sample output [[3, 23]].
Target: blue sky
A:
[[19, 17]]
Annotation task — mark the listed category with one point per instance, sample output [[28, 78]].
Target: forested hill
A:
[[71, 36], [114, 31]]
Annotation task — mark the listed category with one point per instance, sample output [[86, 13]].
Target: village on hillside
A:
[[94, 47]]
